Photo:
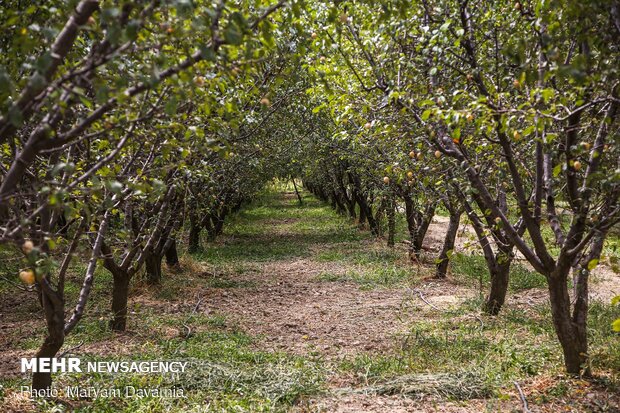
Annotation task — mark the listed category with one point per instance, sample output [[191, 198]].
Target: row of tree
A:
[[124, 124], [505, 111]]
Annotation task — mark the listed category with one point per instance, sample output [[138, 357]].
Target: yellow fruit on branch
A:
[[386, 180], [437, 154], [368, 125], [410, 175], [27, 276], [27, 246], [265, 102], [412, 154], [577, 165], [516, 135], [314, 35]]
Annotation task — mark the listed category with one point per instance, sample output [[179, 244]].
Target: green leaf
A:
[[232, 34], [207, 53], [592, 264], [171, 106]]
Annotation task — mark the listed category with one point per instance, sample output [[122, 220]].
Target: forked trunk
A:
[[571, 333]]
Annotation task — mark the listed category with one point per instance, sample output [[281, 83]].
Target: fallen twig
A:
[[522, 396], [67, 351], [424, 299], [189, 329]]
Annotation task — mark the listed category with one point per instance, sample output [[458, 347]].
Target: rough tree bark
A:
[[448, 244]]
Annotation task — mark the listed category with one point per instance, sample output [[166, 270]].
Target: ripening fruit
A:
[[577, 165], [91, 21], [344, 18], [199, 81], [368, 125], [322, 59], [419, 155], [412, 154], [27, 276], [470, 77], [585, 145], [516, 83], [410, 175], [314, 35], [386, 180], [437, 154], [498, 220], [516, 135], [170, 30], [517, 6], [27, 247], [265, 102], [469, 117]]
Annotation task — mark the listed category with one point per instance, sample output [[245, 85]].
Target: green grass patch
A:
[[370, 277], [494, 350]]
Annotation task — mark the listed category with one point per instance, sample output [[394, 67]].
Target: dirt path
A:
[[290, 309], [287, 308]]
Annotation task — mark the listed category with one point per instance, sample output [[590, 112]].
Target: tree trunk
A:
[[152, 265], [362, 219], [194, 236], [120, 293], [500, 274], [448, 245], [53, 308], [172, 256], [572, 336], [391, 218], [301, 202], [219, 223], [372, 224], [337, 203]]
